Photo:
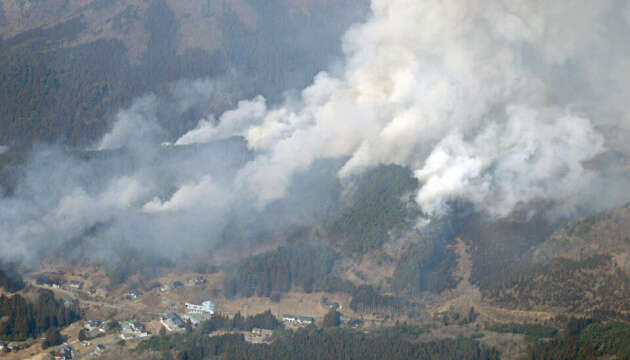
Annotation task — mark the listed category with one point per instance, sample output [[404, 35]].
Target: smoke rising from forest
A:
[[469, 95], [501, 103]]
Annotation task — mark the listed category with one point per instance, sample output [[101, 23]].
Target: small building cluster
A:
[[355, 323], [75, 285], [95, 328], [206, 308], [64, 353], [194, 321], [100, 348], [132, 329], [331, 304], [259, 336], [69, 301], [95, 324], [195, 281], [12, 346], [299, 320], [98, 292], [133, 294], [172, 322], [175, 322], [44, 281]]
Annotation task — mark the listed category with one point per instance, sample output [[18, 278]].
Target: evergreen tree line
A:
[[10, 280], [366, 299], [50, 92], [532, 332], [302, 265], [264, 320], [331, 343], [585, 339], [21, 319], [377, 209]]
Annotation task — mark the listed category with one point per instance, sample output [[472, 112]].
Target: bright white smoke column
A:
[[458, 90]]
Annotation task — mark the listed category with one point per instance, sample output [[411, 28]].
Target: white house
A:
[[302, 320], [206, 308]]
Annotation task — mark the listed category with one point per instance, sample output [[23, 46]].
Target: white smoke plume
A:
[[463, 92], [231, 123], [188, 197], [135, 126], [500, 102]]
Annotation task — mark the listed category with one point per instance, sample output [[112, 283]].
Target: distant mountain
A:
[[66, 65]]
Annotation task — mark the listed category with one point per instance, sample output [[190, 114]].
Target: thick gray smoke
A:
[[499, 102]]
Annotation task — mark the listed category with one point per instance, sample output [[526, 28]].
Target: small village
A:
[[124, 317]]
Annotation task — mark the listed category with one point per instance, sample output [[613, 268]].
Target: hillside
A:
[[67, 66], [251, 179], [511, 266]]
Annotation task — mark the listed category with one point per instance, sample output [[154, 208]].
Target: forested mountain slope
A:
[[65, 66]]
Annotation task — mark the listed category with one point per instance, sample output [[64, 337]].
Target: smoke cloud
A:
[[501, 103], [466, 94]]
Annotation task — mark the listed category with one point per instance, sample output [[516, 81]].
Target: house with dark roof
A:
[[64, 353], [172, 322], [132, 329], [305, 320]]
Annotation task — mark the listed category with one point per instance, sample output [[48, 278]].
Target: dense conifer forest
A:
[[585, 339], [311, 343], [22, 319], [10, 279]]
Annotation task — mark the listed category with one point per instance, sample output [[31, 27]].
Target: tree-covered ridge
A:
[[377, 209], [428, 264], [532, 332], [331, 343], [366, 299], [577, 286], [60, 84], [66, 94], [302, 265], [128, 261], [586, 339], [10, 279], [601, 233], [265, 320], [21, 319]]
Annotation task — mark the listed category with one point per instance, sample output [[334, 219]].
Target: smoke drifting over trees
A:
[[501, 103]]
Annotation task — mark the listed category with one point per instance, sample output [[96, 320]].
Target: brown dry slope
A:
[[467, 295], [582, 268]]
